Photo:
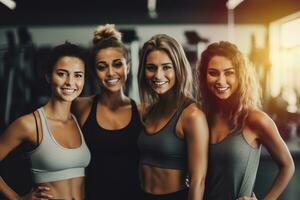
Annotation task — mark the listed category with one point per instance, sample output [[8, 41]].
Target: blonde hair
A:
[[248, 94], [183, 86], [106, 36], [106, 31]]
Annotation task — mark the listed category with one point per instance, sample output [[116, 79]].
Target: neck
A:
[[113, 99], [167, 101], [58, 110]]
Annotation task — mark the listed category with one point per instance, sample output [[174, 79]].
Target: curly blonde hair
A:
[[248, 94]]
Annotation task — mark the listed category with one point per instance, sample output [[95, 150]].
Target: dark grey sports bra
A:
[[164, 148]]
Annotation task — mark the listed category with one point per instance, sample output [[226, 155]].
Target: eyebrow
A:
[[77, 72], [227, 69]]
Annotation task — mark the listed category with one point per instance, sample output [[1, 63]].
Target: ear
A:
[[128, 67], [47, 78]]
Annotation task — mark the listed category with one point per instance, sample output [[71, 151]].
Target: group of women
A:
[[172, 146]]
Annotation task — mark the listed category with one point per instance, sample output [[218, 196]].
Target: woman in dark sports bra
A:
[[174, 142], [230, 97], [59, 154], [111, 123]]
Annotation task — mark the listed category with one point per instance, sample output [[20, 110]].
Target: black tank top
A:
[[113, 171]]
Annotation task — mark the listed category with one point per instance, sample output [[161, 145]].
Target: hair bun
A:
[[106, 32]]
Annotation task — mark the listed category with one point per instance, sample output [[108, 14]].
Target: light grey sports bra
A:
[[52, 162]]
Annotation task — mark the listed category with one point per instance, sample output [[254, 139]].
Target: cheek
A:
[[210, 80], [100, 75]]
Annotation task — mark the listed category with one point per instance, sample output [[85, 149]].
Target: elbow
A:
[[288, 168], [198, 182], [292, 168]]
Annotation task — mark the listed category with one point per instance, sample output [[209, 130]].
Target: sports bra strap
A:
[[37, 130]]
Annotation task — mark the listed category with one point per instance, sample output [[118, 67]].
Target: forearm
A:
[[7, 191], [196, 189], [280, 183]]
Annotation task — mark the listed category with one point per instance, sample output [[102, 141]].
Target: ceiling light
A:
[[9, 3]]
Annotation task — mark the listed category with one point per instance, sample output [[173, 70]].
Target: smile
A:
[[112, 81], [159, 83], [68, 91], [221, 89]]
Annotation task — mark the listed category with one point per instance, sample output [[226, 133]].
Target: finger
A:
[[44, 195], [42, 188]]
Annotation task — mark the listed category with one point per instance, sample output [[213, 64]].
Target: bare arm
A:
[[23, 129], [9, 140], [196, 133], [81, 107], [269, 136]]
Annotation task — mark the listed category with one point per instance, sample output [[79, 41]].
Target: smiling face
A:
[[111, 69], [160, 72], [67, 78], [222, 80]]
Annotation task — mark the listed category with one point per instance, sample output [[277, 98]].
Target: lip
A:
[[112, 81], [221, 89], [159, 83], [68, 91]]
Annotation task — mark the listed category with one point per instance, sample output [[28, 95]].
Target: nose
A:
[[221, 79], [159, 73], [110, 71], [70, 80]]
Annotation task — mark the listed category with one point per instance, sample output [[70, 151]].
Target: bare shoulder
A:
[[192, 113], [23, 127], [258, 119], [81, 104]]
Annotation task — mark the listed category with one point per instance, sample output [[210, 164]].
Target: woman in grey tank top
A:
[[230, 96], [175, 139], [58, 152]]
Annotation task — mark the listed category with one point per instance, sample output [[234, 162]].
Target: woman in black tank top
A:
[[174, 143], [230, 96], [110, 123]]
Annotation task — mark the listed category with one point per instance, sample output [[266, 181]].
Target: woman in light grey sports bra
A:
[[58, 153], [230, 96]]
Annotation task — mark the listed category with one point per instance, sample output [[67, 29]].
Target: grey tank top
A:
[[232, 168], [164, 148], [52, 162]]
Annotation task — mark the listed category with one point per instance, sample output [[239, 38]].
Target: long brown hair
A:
[[183, 85], [248, 94]]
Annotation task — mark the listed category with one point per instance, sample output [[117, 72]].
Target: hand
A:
[[38, 193], [253, 197]]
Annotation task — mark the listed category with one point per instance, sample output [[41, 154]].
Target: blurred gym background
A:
[[267, 32]]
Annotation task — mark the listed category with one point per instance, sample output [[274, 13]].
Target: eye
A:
[[229, 73], [78, 75], [213, 73], [101, 67], [167, 67], [62, 74], [151, 68], [118, 64]]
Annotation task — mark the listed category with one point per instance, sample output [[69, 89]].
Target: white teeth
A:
[[112, 81], [221, 89], [159, 82], [68, 90]]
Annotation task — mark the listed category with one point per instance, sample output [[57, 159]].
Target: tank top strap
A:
[[94, 107], [45, 131], [134, 108], [177, 114], [78, 127]]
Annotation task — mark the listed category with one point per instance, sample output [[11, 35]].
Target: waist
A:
[[69, 189], [41, 176], [162, 181], [164, 161]]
